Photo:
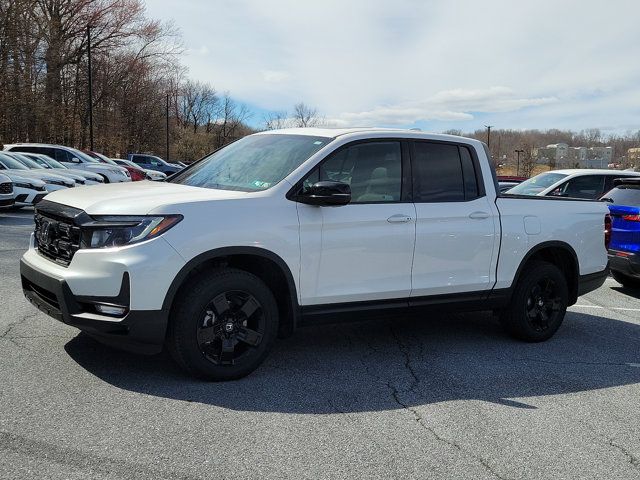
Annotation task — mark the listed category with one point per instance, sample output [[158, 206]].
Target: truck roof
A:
[[330, 132]]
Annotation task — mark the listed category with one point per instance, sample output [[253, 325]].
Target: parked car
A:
[[624, 251], [27, 192], [135, 173], [90, 178], [504, 186], [151, 174], [70, 157], [301, 226], [52, 181], [151, 162], [33, 165], [574, 183], [6, 192]]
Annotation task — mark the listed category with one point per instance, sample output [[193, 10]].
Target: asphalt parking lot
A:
[[442, 397]]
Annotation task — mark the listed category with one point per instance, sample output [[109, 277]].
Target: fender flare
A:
[[225, 252]]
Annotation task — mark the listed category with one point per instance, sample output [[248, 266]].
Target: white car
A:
[[72, 158], [53, 182], [292, 227], [27, 192], [574, 183], [33, 165], [6, 192], [45, 161]]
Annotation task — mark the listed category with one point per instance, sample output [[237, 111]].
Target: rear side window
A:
[[586, 186], [139, 159], [443, 173]]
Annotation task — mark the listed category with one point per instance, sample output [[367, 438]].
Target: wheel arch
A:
[[562, 255], [263, 263]]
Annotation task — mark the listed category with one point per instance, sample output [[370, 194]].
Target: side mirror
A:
[[327, 193], [75, 160], [606, 199]]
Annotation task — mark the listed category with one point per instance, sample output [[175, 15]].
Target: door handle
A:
[[479, 215], [399, 218]]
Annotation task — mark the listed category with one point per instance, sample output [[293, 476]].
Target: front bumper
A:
[[626, 263], [138, 331]]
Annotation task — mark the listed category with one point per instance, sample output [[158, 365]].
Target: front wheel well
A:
[[266, 269], [563, 257]]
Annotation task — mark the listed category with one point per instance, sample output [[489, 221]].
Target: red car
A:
[[137, 174]]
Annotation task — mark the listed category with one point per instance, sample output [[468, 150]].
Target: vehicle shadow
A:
[[392, 364], [631, 292]]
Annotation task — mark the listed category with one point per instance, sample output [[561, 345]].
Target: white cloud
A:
[[399, 62]]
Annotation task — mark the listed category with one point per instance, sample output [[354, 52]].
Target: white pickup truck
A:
[[300, 226]]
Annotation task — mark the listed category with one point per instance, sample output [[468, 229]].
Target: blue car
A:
[[151, 162], [624, 249]]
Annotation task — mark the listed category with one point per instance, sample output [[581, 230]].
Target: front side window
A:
[[253, 163], [372, 169], [586, 186]]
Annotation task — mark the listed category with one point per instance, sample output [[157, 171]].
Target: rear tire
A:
[[224, 325], [625, 280], [538, 304]]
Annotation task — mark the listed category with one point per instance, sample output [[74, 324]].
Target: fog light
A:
[[114, 310]]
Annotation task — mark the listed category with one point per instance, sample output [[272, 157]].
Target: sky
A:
[[431, 64]]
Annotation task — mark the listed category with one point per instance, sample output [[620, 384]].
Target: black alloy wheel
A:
[[232, 324]]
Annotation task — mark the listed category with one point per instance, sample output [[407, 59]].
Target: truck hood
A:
[[16, 178], [136, 198]]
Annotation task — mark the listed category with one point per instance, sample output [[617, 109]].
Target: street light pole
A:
[[518, 152], [489, 136], [90, 87], [167, 127]]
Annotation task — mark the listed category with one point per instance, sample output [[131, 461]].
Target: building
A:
[[561, 155]]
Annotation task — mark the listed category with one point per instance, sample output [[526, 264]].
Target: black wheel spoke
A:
[[226, 351], [250, 306], [221, 303], [250, 337], [206, 335]]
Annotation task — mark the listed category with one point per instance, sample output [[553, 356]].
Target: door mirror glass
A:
[[75, 160], [326, 193]]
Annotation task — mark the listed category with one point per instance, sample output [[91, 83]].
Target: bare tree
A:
[[276, 120], [305, 116]]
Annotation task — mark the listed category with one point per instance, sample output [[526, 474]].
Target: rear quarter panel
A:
[[530, 222]]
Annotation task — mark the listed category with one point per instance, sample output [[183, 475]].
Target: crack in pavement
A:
[[633, 460], [395, 393], [9, 328]]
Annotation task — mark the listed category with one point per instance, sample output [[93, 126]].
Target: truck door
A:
[[456, 231], [361, 251]]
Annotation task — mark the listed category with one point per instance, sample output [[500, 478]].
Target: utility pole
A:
[[90, 88], [489, 127], [518, 165], [167, 127]]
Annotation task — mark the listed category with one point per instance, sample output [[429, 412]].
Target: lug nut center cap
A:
[[228, 327]]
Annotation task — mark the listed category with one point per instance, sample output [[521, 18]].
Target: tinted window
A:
[[468, 174], [437, 173], [62, 156], [628, 195], [139, 159], [372, 169], [586, 186]]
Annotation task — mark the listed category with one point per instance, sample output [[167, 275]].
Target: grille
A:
[[57, 239], [6, 187], [37, 198]]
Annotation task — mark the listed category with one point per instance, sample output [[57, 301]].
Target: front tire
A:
[[538, 304], [624, 280], [224, 325]]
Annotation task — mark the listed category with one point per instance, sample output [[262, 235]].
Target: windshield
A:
[[536, 184], [253, 163], [51, 162], [28, 161], [83, 156], [12, 163]]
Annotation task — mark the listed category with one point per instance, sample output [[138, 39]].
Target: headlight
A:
[[58, 182], [116, 231], [24, 185]]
